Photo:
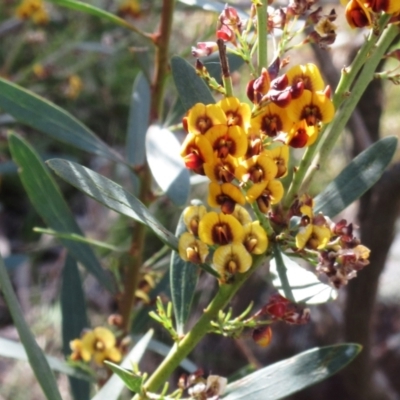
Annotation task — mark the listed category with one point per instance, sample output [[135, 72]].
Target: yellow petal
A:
[[255, 238], [230, 259]]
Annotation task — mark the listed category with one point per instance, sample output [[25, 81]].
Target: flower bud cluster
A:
[[340, 254], [34, 10]]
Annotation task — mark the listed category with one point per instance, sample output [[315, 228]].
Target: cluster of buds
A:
[[99, 345], [363, 13], [200, 388], [340, 254], [34, 10]]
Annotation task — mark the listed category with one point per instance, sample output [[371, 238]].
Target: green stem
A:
[[180, 350], [341, 94], [261, 9], [282, 272]]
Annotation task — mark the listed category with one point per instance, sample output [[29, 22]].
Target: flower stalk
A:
[[262, 48]]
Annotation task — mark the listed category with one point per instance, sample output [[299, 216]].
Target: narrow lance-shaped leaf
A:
[[359, 176], [91, 10], [138, 122], [39, 113], [183, 277], [113, 388], [191, 88], [74, 318], [301, 286], [15, 350], [166, 165], [36, 358], [289, 376], [45, 196], [110, 194]]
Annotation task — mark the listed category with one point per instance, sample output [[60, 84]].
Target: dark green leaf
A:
[[110, 194], [302, 286], [74, 319], [359, 176], [183, 278], [113, 388], [293, 374], [11, 349], [45, 196], [213, 64], [191, 88], [91, 10], [39, 113], [166, 164], [132, 381], [138, 122], [36, 358]]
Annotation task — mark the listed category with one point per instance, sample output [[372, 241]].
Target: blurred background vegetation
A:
[[88, 67]]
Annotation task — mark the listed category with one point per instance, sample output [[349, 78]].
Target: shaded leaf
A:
[[289, 376], [11, 349], [359, 176], [45, 196], [183, 277], [213, 65], [113, 388], [110, 194], [166, 164], [35, 355], [74, 318], [191, 88], [138, 122], [303, 285], [39, 113]]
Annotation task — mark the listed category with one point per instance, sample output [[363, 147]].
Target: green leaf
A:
[[297, 284], [213, 65], [166, 164], [110, 194], [39, 113], [191, 88], [45, 196], [36, 358], [183, 277], [113, 388], [132, 381], [91, 10], [138, 122], [11, 349], [74, 318], [359, 176], [289, 376]]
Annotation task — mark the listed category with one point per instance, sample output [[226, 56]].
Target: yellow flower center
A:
[[233, 118], [99, 345]]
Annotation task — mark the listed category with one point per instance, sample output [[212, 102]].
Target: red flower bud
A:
[[262, 336]]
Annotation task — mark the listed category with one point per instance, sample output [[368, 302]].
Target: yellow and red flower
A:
[[191, 217], [227, 140], [255, 239], [271, 120], [308, 74], [265, 194], [237, 113], [202, 117], [192, 249], [257, 169]]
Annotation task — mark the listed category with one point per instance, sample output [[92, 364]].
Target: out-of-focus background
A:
[[88, 67]]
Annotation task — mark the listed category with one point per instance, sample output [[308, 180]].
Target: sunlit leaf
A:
[[302, 286], [113, 388], [110, 194], [132, 381], [191, 88], [289, 376], [39, 113], [359, 176], [74, 318], [138, 121], [183, 277], [37, 360], [47, 200], [15, 350], [167, 167]]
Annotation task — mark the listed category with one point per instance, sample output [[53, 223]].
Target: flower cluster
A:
[[363, 13], [33, 9], [98, 344]]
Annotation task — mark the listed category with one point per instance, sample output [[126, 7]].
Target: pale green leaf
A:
[[289, 376]]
